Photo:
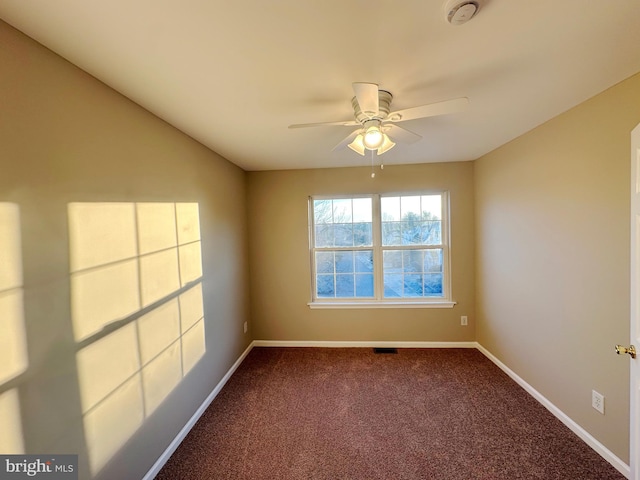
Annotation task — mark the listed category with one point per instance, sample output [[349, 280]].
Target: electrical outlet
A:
[[463, 320], [245, 327], [597, 401]]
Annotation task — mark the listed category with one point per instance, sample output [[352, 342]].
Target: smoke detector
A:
[[458, 12]]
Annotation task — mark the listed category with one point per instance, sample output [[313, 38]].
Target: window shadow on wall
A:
[[137, 312], [13, 347]]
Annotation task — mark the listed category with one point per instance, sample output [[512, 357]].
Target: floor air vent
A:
[[385, 350]]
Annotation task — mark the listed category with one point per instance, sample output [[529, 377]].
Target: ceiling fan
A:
[[377, 129]]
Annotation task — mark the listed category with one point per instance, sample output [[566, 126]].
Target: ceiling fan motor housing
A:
[[384, 107]]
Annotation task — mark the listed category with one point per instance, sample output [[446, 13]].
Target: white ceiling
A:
[[235, 74]]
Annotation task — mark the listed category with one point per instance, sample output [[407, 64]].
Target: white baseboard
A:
[[155, 469], [604, 452], [360, 344]]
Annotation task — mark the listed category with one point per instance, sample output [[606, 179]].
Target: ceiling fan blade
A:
[[430, 110], [346, 141], [367, 96], [346, 123], [400, 134]]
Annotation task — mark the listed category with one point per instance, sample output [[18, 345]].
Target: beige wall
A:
[[540, 265], [279, 256], [65, 137], [552, 283]]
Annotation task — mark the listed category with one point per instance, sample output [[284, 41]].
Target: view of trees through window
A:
[[409, 222], [404, 236], [344, 240]]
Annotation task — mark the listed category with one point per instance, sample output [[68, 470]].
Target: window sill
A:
[[381, 304]]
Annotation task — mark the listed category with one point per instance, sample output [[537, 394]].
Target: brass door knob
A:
[[631, 350]]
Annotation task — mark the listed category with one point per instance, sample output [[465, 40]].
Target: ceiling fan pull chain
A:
[[373, 173]]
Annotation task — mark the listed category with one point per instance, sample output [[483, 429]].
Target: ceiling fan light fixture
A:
[[376, 124], [357, 145], [387, 144], [373, 137]]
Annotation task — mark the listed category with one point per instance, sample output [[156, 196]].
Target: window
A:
[[380, 250]]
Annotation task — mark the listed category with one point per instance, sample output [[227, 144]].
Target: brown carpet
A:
[[329, 413]]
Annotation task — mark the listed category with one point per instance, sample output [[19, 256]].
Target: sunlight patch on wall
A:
[[13, 346], [11, 441], [104, 265], [138, 315], [159, 275], [100, 296], [13, 349], [193, 345]]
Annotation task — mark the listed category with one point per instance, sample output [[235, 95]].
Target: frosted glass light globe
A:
[[373, 138]]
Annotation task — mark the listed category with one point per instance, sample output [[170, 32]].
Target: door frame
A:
[[634, 316]]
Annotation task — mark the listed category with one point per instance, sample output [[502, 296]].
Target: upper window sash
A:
[[341, 222]]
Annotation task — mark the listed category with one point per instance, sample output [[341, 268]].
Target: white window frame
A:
[[378, 300]]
